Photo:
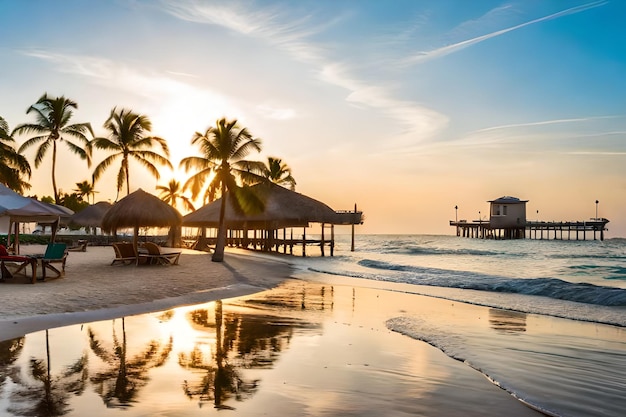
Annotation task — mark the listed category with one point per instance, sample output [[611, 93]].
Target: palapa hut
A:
[[91, 216], [140, 209], [283, 209]]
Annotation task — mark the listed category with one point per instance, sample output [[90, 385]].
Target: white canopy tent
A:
[[19, 209]]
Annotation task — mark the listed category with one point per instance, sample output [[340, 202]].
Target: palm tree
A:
[[53, 116], [128, 139], [172, 193], [279, 173], [85, 189], [223, 149], [12, 164], [275, 171]]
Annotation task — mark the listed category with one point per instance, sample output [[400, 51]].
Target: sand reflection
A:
[[505, 321]]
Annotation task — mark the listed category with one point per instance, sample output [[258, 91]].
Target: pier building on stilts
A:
[[507, 220]]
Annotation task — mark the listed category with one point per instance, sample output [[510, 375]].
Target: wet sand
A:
[[337, 358], [344, 361]]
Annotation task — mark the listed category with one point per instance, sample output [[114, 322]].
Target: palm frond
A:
[[83, 153], [105, 144], [102, 166], [41, 152]]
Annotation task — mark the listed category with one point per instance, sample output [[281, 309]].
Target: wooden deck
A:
[[277, 245]]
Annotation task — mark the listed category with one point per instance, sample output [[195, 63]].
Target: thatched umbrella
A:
[[140, 209], [91, 216]]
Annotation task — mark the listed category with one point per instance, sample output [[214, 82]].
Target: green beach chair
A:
[[56, 253]]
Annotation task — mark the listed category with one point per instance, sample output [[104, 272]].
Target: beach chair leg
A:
[[6, 274], [33, 266], [52, 267]]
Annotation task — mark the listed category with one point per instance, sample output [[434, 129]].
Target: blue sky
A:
[[406, 108]]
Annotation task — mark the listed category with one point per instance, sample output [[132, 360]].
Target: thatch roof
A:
[[140, 209], [92, 215], [283, 208]]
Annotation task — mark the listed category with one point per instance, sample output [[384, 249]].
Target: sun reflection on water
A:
[[204, 355]]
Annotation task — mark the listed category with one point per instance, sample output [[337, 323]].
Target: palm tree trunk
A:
[[218, 254], [127, 178], [54, 164]]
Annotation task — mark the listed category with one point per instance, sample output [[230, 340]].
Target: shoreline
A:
[[80, 296]]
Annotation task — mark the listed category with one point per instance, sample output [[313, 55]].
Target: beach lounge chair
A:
[[155, 256], [81, 246], [124, 253], [21, 261], [56, 253]]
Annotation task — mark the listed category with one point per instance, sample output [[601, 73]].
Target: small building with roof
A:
[[507, 213]]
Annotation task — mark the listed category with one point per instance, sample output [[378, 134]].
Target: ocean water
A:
[[579, 280], [577, 368]]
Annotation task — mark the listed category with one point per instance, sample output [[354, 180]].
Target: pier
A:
[[571, 230], [507, 220]]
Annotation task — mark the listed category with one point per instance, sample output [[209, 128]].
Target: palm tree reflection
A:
[[9, 352], [244, 341], [120, 382], [48, 395], [220, 379]]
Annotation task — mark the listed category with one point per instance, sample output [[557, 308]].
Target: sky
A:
[[406, 108]]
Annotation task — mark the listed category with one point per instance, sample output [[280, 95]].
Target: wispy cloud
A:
[[546, 122], [87, 66], [269, 23], [168, 97], [113, 74], [449, 49], [593, 135], [183, 74], [276, 112], [418, 121], [293, 34], [593, 153]]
